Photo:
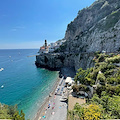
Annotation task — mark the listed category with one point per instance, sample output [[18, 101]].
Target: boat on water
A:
[[2, 86], [1, 69]]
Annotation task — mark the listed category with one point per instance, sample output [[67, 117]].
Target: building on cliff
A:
[[44, 48], [56, 45], [51, 47]]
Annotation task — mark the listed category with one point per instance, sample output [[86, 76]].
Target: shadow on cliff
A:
[[67, 72], [64, 71]]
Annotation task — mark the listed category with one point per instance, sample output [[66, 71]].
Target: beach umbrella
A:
[[43, 116]]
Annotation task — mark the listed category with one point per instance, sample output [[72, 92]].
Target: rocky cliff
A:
[[95, 28], [55, 61]]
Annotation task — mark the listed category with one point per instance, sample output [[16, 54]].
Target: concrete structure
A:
[[51, 48], [44, 48], [69, 80], [56, 45]]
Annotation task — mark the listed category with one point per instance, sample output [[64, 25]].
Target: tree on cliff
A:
[[11, 112]]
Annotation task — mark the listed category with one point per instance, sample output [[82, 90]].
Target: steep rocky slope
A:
[[59, 60], [95, 28]]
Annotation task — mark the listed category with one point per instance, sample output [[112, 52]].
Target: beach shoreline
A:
[[46, 101], [54, 100]]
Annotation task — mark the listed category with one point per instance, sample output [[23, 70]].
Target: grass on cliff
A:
[[110, 20]]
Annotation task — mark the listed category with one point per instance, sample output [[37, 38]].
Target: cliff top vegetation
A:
[[105, 75], [11, 112]]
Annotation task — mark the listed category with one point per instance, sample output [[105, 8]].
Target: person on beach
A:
[[39, 118], [49, 105], [45, 109], [52, 113]]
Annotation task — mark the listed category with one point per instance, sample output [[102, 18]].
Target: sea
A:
[[22, 83]]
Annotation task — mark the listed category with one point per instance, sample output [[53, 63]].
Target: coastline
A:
[[54, 100], [46, 101]]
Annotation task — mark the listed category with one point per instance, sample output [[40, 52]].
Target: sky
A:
[[26, 24]]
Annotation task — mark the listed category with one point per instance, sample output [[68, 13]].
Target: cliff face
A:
[[95, 28], [59, 60]]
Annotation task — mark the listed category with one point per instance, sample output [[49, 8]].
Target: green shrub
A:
[[97, 65], [75, 88], [111, 80], [118, 90], [103, 66], [110, 66], [11, 112], [111, 54], [99, 90], [101, 58], [81, 74], [82, 87], [101, 77], [115, 59], [111, 90], [118, 79], [89, 81], [94, 74], [97, 54], [109, 72]]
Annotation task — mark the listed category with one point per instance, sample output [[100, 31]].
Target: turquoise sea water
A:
[[24, 83]]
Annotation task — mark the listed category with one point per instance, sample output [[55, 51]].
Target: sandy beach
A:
[[53, 108]]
